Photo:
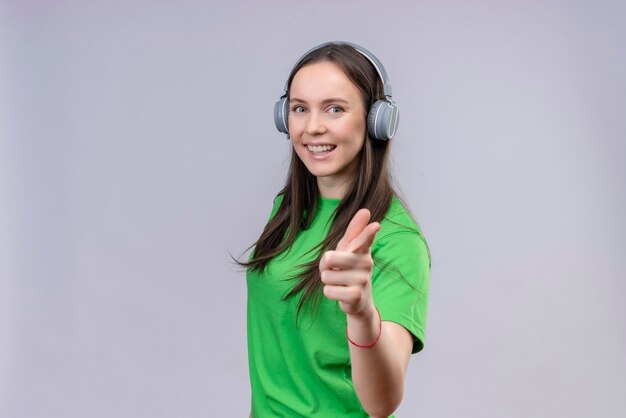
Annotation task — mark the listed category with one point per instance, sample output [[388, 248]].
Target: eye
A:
[[297, 109], [336, 109]]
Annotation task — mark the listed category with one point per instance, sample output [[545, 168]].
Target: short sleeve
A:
[[400, 281]]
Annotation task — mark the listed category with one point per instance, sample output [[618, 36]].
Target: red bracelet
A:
[[380, 331]]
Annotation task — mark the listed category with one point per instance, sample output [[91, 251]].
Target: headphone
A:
[[382, 118]]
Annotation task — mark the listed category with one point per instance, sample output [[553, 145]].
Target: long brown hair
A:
[[369, 188]]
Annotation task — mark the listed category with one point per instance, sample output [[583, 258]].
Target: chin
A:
[[319, 173]]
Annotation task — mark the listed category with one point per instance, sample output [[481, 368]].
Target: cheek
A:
[[359, 123], [294, 145], [295, 129], [297, 148], [357, 134]]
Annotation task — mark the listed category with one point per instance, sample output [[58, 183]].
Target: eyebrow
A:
[[325, 101]]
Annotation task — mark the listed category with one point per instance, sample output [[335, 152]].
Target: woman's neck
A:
[[333, 191]]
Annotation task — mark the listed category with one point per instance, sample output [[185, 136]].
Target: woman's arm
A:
[[378, 371]]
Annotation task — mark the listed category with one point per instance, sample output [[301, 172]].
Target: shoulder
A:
[[277, 201], [398, 219], [400, 234], [401, 273]]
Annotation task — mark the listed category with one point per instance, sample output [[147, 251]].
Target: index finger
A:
[[356, 226], [362, 243]]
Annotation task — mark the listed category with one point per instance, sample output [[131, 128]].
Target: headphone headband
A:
[[378, 66]]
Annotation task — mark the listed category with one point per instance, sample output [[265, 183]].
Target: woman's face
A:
[[327, 124]]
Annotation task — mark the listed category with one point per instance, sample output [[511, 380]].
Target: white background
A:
[[137, 149]]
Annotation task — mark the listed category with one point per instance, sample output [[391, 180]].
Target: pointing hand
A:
[[347, 271]]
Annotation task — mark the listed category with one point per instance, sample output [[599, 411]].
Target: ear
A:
[[281, 114], [382, 120]]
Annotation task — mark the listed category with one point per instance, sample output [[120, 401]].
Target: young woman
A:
[[338, 280]]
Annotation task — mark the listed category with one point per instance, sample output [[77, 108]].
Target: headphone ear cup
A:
[[281, 112], [382, 120]]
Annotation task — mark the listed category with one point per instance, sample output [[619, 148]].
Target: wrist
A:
[[364, 331], [369, 314]]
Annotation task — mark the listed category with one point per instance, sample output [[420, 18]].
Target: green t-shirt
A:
[[303, 370]]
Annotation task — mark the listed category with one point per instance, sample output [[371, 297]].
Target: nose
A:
[[315, 124]]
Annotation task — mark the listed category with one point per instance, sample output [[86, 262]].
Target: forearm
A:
[[377, 372]]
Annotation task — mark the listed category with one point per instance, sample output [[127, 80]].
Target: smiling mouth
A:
[[321, 149]]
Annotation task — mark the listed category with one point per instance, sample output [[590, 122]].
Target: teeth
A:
[[320, 148]]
